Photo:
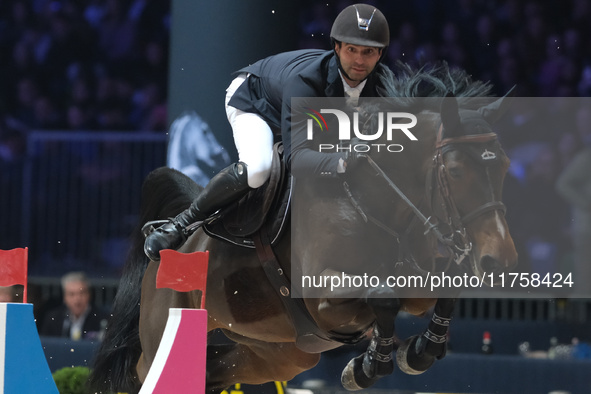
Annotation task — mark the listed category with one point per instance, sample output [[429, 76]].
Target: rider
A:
[[258, 105]]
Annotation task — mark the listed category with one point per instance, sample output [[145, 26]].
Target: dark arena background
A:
[[90, 89]]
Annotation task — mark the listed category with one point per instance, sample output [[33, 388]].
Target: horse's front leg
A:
[[419, 352], [364, 370]]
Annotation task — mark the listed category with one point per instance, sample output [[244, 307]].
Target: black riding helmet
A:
[[361, 24]]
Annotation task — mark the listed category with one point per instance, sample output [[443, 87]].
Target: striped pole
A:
[[179, 365]]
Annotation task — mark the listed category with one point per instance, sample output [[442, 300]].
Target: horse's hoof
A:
[[348, 377], [353, 378], [406, 350]]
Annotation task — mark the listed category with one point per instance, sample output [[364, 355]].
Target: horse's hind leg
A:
[[364, 370], [254, 362], [419, 352]]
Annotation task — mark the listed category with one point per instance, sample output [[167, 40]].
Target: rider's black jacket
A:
[[268, 92]]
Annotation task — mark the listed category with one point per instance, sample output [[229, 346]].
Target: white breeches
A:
[[253, 138]]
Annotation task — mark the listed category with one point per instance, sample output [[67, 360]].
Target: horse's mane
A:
[[409, 85]]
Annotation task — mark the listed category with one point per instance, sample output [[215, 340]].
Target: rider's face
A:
[[358, 61]]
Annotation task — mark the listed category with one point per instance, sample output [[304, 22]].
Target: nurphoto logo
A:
[[388, 124]]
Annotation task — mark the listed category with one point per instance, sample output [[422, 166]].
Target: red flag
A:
[[183, 271], [13, 267]]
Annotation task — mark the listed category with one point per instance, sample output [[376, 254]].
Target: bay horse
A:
[[436, 207]]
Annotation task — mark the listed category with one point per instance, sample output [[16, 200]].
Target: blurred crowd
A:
[[84, 65], [543, 47], [71, 65], [102, 64]]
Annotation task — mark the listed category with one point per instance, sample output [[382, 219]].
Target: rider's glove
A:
[[352, 156]]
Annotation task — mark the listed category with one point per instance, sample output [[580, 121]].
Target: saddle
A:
[[265, 208], [257, 221]]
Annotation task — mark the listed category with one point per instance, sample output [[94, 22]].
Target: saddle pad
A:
[[267, 205]]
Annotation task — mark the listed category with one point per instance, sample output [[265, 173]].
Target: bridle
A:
[[455, 239], [442, 178]]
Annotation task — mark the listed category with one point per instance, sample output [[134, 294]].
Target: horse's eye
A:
[[455, 172]]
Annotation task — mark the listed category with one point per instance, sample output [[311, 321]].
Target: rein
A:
[[457, 242]]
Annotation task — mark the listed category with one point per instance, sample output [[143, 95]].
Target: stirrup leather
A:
[[153, 225]]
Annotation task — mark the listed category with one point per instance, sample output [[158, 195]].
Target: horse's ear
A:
[[493, 112], [450, 115]]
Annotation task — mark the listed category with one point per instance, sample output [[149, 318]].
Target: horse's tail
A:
[[165, 193]]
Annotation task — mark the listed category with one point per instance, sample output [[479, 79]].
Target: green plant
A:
[[71, 380]]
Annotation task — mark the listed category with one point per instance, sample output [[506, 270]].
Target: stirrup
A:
[[151, 226]]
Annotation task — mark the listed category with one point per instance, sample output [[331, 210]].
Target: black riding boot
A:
[[229, 185]]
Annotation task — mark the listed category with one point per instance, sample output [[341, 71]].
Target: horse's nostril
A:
[[490, 265]]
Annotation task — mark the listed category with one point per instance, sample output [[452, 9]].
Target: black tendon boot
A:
[[229, 185]]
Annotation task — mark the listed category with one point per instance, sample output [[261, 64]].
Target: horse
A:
[[435, 208]]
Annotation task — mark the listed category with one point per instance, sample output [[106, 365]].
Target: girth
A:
[[309, 337]]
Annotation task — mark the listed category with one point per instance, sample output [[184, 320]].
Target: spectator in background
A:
[[8, 294], [27, 93], [79, 117], [544, 229], [46, 116], [77, 318], [12, 144], [149, 111], [152, 66], [116, 32], [451, 49], [574, 185]]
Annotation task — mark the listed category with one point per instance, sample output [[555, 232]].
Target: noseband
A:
[[456, 239]]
